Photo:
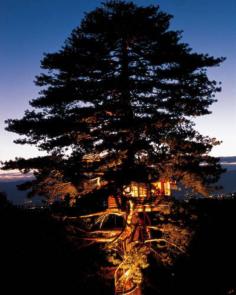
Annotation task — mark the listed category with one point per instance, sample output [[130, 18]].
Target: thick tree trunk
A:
[[137, 291]]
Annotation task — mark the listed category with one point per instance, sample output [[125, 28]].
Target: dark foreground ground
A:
[[37, 256]]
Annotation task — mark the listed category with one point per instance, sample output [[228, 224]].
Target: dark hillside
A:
[[36, 250], [209, 268], [37, 254]]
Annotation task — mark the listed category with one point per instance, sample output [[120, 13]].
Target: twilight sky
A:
[[28, 28]]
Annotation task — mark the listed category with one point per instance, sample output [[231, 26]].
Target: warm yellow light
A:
[[126, 274], [135, 189], [167, 188], [162, 187]]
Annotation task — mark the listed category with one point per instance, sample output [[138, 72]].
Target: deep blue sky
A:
[[28, 28]]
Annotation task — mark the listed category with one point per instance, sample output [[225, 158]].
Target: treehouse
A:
[[143, 192], [140, 191]]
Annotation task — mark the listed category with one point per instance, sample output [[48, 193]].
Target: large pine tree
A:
[[118, 101]]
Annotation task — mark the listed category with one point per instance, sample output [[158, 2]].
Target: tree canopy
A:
[[118, 101]]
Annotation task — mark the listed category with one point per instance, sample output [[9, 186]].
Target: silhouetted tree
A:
[[117, 106], [126, 88]]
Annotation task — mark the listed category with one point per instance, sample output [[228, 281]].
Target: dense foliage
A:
[[124, 91]]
